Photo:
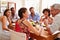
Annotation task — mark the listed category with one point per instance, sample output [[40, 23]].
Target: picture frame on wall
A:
[[11, 4]]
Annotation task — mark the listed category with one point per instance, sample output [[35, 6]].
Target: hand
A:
[[31, 20], [42, 16]]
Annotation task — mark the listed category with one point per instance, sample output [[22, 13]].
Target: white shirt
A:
[[56, 24], [15, 17]]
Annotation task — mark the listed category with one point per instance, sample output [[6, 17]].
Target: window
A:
[[32, 3]]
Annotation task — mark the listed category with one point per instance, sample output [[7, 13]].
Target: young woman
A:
[[5, 21], [46, 19]]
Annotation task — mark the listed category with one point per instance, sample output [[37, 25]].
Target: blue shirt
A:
[[35, 18]]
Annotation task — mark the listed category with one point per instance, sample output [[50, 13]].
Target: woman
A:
[[5, 19], [24, 26], [46, 19], [46, 15]]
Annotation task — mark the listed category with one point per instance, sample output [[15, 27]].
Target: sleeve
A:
[[38, 17], [55, 25], [17, 16]]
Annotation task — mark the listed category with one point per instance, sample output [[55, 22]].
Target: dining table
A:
[[43, 34]]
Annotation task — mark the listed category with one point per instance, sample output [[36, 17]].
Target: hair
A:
[[12, 8], [21, 11], [5, 12], [31, 8], [56, 6], [47, 11]]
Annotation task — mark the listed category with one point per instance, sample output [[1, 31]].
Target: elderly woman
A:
[[23, 25]]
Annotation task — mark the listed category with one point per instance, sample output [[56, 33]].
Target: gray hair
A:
[[56, 6]]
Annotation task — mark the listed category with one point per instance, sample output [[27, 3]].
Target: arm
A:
[[31, 27], [50, 20], [56, 24], [47, 26], [4, 20], [42, 18]]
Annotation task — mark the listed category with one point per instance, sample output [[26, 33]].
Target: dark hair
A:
[[12, 8], [47, 11], [31, 8], [5, 12], [21, 11]]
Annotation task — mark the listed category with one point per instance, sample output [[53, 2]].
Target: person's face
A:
[[46, 14], [8, 13], [52, 11], [13, 11], [57, 11], [26, 14], [32, 10]]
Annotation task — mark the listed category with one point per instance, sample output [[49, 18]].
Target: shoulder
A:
[[37, 14], [18, 21], [51, 18], [26, 22], [4, 17], [43, 19]]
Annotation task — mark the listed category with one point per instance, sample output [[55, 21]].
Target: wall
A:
[[38, 4], [27, 3], [19, 4], [48, 3]]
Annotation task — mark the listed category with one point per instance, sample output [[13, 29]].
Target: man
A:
[[55, 11], [14, 16], [34, 16]]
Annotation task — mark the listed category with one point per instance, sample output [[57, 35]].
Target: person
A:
[[55, 11], [46, 19], [14, 16], [5, 20], [23, 25], [34, 15], [46, 15]]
